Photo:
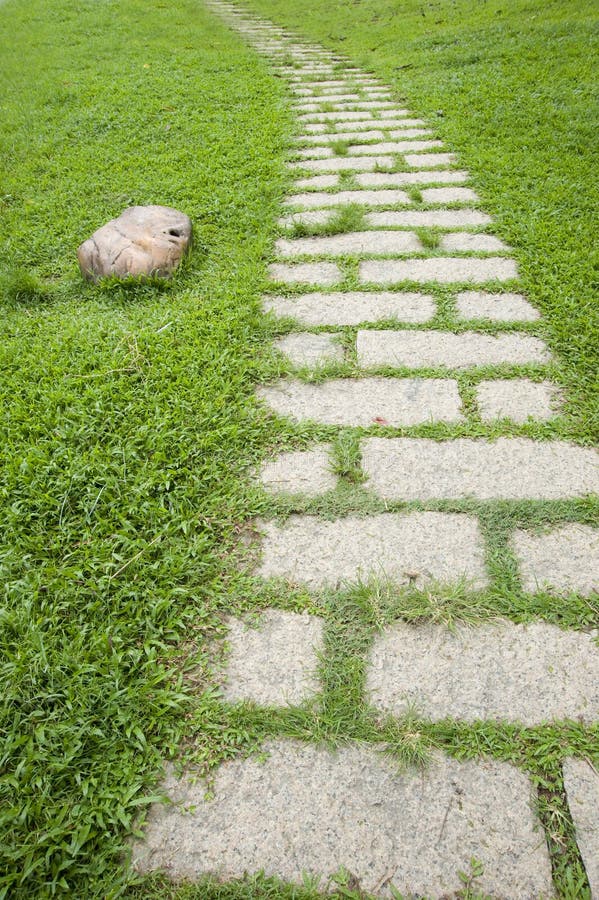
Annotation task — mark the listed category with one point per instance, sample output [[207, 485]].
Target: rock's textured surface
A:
[[581, 781], [142, 241], [404, 548], [310, 810], [273, 661], [478, 673], [564, 559]]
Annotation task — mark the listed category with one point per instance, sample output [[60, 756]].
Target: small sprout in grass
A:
[[430, 238], [347, 462], [347, 181], [340, 148], [405, 742], [330, 128], [346, 218], [414, 193], [327, 107]]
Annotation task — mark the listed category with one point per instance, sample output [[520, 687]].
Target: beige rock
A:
[[143, 240]]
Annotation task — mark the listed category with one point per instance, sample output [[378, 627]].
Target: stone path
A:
[[413, 287]]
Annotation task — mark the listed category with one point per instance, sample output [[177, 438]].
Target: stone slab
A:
[[305, 472], [403, 133], [428, 218], [392, 179], [443, 270], [323, 273], [418, 349], [358, 242], [310, 810], [563, 560], [518, 399], [509, 468], [522, 674], [308, 217], [497, 307], [315, 182], [581, 781], [352, 307], [449, 195], [429, 160], [399, 126], [313, 103], [344, 164], [471, 243], [445, 547], [275, 663], [338, 116], [341, 198], [316, 152], [341, 136], [390, 147], [366, 401], [305, 349]]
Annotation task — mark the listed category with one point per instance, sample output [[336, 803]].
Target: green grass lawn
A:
[[129, 426], [127, 414]]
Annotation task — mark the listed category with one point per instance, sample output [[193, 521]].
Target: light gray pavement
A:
[[305, 808]]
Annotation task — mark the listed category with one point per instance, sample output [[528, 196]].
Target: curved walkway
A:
[[389, 264]]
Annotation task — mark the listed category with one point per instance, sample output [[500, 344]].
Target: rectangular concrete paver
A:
[[471, 243], [309, 810], [299, 472], [323, 273], [497, 307], [527, 674], [341, 136], [443, 270], [449, 195], [305, 349], [366, 401], [391, 147], [344, 164], [517, 399], [391, 179], [352, 307], [275, 662], [428, 160], [418, 349], [368, 198], [581, 781], [429, 218], [402, 547], [360, 242], [564, 559], [317, 182], [509, 468]]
